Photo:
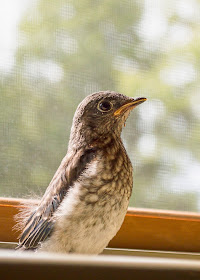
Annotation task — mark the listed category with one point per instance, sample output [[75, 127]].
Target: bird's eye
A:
[[104, 106]]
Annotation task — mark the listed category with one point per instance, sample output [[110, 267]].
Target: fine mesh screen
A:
[[54, 53]]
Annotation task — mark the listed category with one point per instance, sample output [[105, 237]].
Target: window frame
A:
[[144, 229]]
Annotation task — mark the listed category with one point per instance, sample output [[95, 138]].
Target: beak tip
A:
[[131, 104]]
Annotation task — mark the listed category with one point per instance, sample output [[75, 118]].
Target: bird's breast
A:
[[107, 181], [95, 207]]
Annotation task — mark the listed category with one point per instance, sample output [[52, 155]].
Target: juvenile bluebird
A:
[[86, 201]]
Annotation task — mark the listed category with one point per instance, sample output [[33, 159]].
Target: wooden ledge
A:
[[145, 229], [26, 265]]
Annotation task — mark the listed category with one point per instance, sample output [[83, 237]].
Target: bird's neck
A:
[[90, 138]]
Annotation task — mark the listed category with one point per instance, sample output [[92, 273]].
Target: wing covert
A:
[[40, 223]]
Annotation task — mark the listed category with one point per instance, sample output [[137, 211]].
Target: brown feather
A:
[[37, 223]]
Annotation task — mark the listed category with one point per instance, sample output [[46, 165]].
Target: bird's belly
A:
[[86, 228], [95, 231]]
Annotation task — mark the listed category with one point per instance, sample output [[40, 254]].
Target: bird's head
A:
[[101, 114]]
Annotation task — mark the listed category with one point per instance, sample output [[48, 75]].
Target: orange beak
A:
[[129, 105]]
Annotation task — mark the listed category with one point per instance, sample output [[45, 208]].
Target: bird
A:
[[86, 201]]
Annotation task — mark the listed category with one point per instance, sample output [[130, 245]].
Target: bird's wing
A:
[[40, 223]]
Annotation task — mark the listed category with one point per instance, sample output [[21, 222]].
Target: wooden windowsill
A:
[[144, 229], [26, 265]]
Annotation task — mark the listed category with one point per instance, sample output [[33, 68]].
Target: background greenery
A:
[[68, 49]]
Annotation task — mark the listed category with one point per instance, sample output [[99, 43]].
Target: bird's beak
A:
[[132, 103]]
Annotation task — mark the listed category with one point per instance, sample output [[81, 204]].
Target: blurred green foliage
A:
[[68, 49]]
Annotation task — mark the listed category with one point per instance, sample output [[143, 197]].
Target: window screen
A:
[[54, 53]]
